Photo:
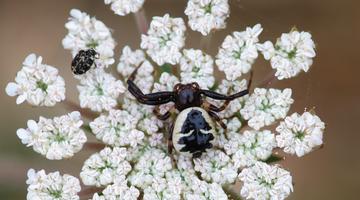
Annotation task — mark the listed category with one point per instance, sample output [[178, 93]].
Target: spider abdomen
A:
[[193, 132]]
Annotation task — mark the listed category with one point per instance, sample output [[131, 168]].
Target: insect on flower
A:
[[83, 61], [193, 130]]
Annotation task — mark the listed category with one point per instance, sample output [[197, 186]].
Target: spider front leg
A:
[[160, 116], [217, 119]]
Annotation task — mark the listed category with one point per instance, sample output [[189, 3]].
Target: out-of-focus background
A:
[[332, 85]]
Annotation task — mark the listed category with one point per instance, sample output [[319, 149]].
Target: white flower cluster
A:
[[104, 167], [118, 128], [164, 39], [215, 166], [197, 66], [291, 53], [251, 146], [52, 186], [37, 83], [207, 15], [124, 7], [265, 106], [56, 138], [238, 52], [263, 181], [300, 134], [129, 61], [99, 90], [85, 32], [118, 190]]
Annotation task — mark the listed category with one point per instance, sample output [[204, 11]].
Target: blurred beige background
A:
[[332, 85]]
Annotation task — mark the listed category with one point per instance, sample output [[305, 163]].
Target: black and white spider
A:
[[193, 130]]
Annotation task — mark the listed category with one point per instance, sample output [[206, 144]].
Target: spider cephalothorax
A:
[[193, 130], [83, 61]]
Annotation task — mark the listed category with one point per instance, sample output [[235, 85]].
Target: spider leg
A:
[[170, 142], [215, 117], [211, 107], [156, 98], [218, 96], [160, 116]]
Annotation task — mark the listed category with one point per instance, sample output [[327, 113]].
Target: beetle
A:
[[193, 131], [83, 61]]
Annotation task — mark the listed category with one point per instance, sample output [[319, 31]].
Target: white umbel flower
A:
[[168, 188], [99, 90], [292, 53], [215, 166], [118, 128], [124, 7], [37, 83], [153, 163], [164, 39], [56, 138], [197, 66], [251, 146], [207, 15], [265, 106], [238, 52], [300, 134], [263, 181], [104, 167], [197, 189], [85, 32], [129, 60], [118, 191], [52, 186]]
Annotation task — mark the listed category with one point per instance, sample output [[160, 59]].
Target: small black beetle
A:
[[83, 61]]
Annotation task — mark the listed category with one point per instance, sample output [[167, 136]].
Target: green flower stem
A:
[[141, 21]]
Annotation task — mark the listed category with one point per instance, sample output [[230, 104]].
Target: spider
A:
[[83, 61], [193, 130]]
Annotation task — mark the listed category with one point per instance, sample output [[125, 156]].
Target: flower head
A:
[[265, 106], [300, 134], [129, 61], [292, 53], [118, 190], [124, 7], [207, 15], [85, 32], [56, 138], [52, 186], [37, 83], [164, 39], [118, 128], [238, 52], [197, 66], [263, 181], [251, 146], [99, 90], [104, 167]]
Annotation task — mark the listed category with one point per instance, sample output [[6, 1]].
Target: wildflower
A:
[[124, 7], [249, 147], [56, 138], [292, 53], [85, 32], [104, 167], [129, 60], [118, 190], [197, 66], [154, 163], [265, 106], [37, 83], [118, 128], [300, 134], [164, 39], [99, 90], [217, 167], [169, 187], [207, 15], [52, 186], [238, 52], [263, 181]]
